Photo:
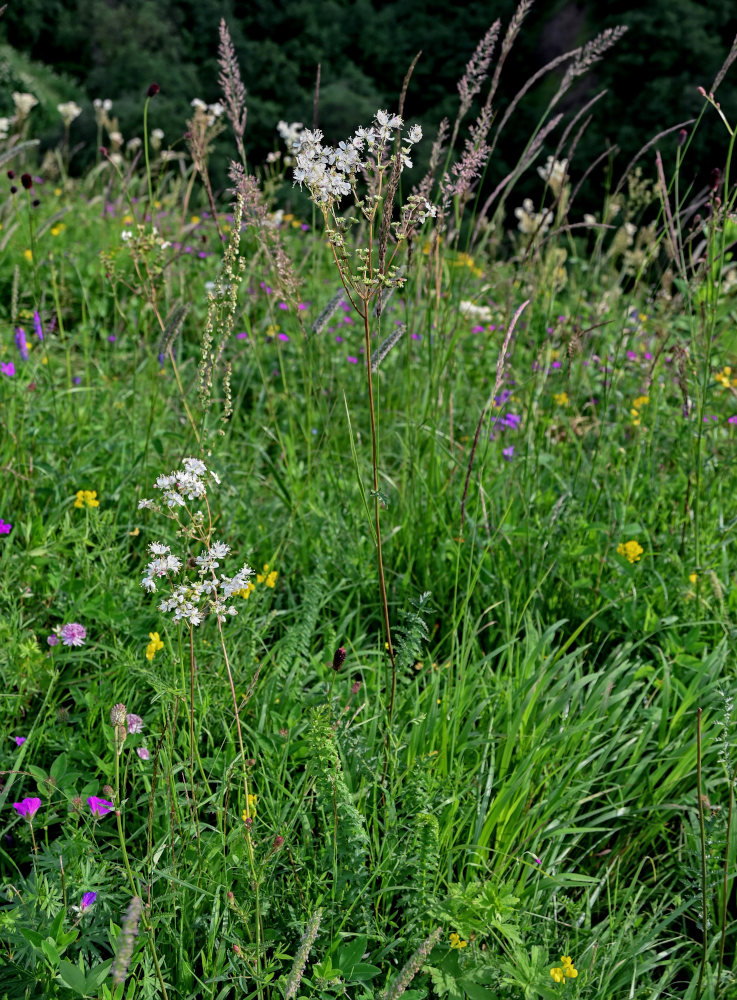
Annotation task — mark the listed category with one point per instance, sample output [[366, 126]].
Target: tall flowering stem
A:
[[378, 154]]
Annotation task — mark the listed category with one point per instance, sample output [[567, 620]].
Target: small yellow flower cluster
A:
[[294, 223], [58, 228], [268, 578], [630, 550], [272, 329], [86, 498], [154, 645], [723, 377], [251, 811], [561, 399], [456, 941], [567, 971], [637, 405], [466, 260]]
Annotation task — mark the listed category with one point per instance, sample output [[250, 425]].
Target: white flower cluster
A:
[[69, 110], [191, 600], [554, 173], [329, 172], [24, 103], [289, 131], [187, 483], [212, 111], [532, 222]]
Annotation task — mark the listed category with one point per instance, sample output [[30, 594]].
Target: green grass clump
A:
[[429, 686]]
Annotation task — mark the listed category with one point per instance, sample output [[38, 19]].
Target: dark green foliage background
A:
[[115, 49]]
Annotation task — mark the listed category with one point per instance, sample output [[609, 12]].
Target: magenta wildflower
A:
[[87, 901], [53, 640], [283, 336], [732, 420], [7, 368], [28, 807], [143, 753], [352, 360], [99, 807], [508, 452], [73, 634], [21, 343], [19, 740], [135, 723], [37, 326], [5, 527]]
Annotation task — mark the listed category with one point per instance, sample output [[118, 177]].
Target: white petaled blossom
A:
[[289, 131], [554, 173], [69, 110], [530, 221], [5, 124], [195, 589], [330, 172], [24, 103]]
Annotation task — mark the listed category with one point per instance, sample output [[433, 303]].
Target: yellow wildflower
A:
[[272, 329], [630, 550], [456, 941], [86, 498], [154, 646], [28, 254], [55, 230], [561, 399], [195, 219], [565, 970], [693, 577], [268, 578], [251, 811], [246, 592]]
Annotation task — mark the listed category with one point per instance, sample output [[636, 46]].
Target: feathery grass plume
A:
[[221, 307], [477, 69], [328, 311], [256, 214], [202, 129], [512, 31], [386, 345], [470, 165], [412, 967], [128, 935], [300, 959], [588, 55], [234, 93], [731, 56], [436, 153], [173, 325]]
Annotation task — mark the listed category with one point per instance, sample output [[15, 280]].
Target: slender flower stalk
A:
[[300, 959]]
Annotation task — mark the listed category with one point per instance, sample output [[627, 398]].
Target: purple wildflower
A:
[[352, 360], [508, 453], [28, 807], [98, 806], [135, 723], [87, 901], [143, 753], [732, 420], [7, 368], [53, 640], [21, 343], [5, 527], [283, 336], [20, 740], [38, 328], [73, 634]]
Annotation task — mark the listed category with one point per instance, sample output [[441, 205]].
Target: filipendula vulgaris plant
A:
[[379, 153], [196, 589]]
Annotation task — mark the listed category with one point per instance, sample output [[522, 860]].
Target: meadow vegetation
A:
[[367, 584]]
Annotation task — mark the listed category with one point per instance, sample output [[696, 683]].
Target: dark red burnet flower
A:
[[27, 181], [153, 90], [339, 657]]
